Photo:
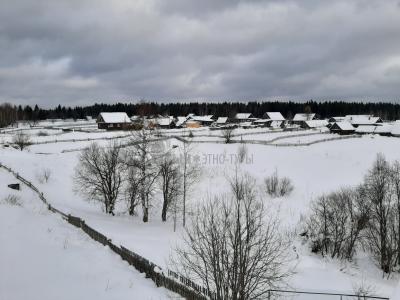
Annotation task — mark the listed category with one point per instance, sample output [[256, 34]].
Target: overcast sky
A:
[[74, 52]]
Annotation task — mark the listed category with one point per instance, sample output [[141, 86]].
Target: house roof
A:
[[181, 120], [344, 125], [362, 119], [385, 128], [243, 116], [316, 123], [166, 121], [115, 117], [396, 129], [202, 118], [222, 120], [275, 116], [303, 117], [365, 129]]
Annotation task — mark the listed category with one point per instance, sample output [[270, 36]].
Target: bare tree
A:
[[227, 133], [170, 182], [21, 140], [377, 191], [98, 174], [233, 248], [132, 194], [143, 157], [190, 175], [395, 178]]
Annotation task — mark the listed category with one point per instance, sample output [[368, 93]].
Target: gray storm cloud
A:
[[76, 52]]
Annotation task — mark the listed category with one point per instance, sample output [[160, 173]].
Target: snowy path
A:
[[42, 257]]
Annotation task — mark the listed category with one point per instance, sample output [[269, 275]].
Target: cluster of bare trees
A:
[[233, 247], [135, 173], [367, 216]]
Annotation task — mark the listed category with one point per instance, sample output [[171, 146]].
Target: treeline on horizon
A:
[[387, 111]]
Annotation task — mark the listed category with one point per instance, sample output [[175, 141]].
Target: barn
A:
[[113, 121], [342, 128], [276, 119]]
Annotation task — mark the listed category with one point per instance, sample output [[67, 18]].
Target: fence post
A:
[[269, 295]]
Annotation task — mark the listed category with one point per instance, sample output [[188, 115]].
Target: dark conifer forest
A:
[[387, 111]]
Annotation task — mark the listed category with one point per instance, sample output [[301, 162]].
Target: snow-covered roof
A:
[[115, 117], [181, 120], [362, 119], [242, 116], [274, 116], [385, 128], [303, 117], [166, 121], [365, 129], [344, 125], [316, 123], [222, 120], [396, 129], [202, 118]]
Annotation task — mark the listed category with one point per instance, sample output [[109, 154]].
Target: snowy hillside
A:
[[43, 257]]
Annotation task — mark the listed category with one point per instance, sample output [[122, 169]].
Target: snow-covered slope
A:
[[43, 257]]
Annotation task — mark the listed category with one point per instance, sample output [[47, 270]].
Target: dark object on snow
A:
[[14, 186]]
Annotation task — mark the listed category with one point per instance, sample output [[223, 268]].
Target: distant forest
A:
[[387, 111]]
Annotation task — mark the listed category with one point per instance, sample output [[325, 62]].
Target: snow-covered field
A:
[[43, 257], [314, 170]]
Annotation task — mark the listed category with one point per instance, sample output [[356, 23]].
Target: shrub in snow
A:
[[227, 133], [42, 133], [43, 175], [278, 187], [242, 152], [12, 200], [364, 289], [21, 140]]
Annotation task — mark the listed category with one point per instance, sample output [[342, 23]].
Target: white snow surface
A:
[[314, 170], [43, 257]]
